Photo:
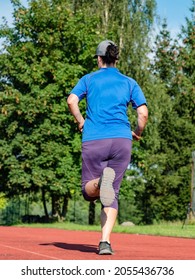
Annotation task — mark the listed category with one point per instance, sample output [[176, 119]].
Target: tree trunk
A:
[[56, 207], [65, 206], [91, 213], [44, 203]]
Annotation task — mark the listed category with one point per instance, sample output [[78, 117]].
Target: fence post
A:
[[193, 183]]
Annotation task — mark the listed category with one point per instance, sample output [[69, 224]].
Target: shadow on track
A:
[[73, 247]]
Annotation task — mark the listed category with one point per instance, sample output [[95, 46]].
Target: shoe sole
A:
[[105, 252], [107, 194]]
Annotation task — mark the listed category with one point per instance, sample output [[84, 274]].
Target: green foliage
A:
[[168, 172], [11, 211], [130, 203], [47, 50], [3, 201]]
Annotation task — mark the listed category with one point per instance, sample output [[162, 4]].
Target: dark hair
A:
[[112, 54]]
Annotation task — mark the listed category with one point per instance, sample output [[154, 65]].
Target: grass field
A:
[[177, 229]]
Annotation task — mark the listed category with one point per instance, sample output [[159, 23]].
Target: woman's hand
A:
[[135, 136], [80, 125]]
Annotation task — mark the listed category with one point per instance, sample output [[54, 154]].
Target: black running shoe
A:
[[105, 248], [107, 194]]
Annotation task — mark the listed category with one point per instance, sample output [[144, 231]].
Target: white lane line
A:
[[26, 251]]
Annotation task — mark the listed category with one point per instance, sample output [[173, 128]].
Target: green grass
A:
[[162, 229]]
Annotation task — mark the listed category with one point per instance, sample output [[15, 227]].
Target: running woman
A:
[[106, 132]]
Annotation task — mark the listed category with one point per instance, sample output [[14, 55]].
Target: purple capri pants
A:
[[98, 154]]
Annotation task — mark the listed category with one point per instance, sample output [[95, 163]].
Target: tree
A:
[[46, 50], [165, 61], [168, 179], [129, 23]]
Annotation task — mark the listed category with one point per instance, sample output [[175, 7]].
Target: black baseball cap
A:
[[102, 48]]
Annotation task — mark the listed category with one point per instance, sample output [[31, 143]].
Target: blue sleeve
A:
[[137, 97], [81, 88]]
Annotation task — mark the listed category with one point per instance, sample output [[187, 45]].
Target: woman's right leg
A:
[[92, 188]]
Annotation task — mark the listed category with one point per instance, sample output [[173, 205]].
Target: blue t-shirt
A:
[[108, 94]]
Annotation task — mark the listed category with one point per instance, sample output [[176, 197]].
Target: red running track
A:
[[21, 243]]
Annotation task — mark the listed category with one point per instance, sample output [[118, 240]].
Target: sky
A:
[[175, 11]]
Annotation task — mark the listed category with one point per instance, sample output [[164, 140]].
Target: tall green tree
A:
[[129, 23], [168, 186], [46, 50], [165, 59]]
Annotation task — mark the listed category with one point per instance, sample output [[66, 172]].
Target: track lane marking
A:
[[31, 252]]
